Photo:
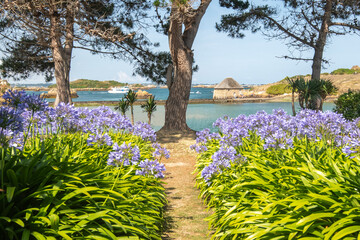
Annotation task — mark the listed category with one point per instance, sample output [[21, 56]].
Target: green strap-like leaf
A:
[[314, 217], [346, 231], [10, 193]]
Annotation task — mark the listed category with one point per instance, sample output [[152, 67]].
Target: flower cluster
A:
[[202, 138], [153, 168], [144, 130], [22, 112], [278, 131], [124, 155], [100, 139], [160, 151], [20, 100], [221, 159]]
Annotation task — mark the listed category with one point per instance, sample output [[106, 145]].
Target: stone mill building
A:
[[227, 89]]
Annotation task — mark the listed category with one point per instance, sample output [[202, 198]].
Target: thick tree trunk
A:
[[317, 60], [62, 71], [62, 55], [180, 44], [149, 118], [319, 50], [179, 93]]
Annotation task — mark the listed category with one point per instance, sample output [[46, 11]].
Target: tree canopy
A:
[[303, 25], [39, 36]]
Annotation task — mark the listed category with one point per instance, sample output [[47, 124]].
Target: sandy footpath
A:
[[185, 212]]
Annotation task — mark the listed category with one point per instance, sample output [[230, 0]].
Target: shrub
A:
[[348, 104], [273, 176], [342, 71], [278, 89]]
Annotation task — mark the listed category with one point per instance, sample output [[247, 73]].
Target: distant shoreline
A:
[[201, 101], [40, 89]]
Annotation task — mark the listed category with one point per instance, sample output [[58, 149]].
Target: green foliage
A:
[[307, 192], [86, 83], [122, 106], [149, 107], [342, 71], [25, 57], [131, 98], [278, 89], [348, 104], [61, 188], [310, 91]]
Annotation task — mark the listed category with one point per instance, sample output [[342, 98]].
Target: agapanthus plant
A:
[[28, 116], [278, 131]]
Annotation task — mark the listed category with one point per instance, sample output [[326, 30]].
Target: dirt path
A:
[[185, 212]]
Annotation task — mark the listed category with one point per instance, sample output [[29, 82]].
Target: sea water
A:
[[199, 116], [159, 93]]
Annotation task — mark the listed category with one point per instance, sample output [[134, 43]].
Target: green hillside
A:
[[86, 83], [342, 78]]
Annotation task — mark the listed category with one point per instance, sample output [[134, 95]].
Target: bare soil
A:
[[185, 211]]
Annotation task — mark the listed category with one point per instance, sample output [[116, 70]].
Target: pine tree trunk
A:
[[62, 55], [179, 93], [319, 50], [180, 44], [62, 71]]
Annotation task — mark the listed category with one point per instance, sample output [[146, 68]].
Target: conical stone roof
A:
[[228, 83]]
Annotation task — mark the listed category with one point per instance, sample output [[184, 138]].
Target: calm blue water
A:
[[159, 93], [199, 116]]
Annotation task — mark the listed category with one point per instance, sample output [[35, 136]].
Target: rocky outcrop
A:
[[52, 94], [140, 94]]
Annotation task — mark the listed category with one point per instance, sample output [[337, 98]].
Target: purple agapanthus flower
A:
[[151, 168], [15, 99], [100, 139], [160, 151], [221, 159], [124, 155]]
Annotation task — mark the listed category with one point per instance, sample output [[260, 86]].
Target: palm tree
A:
[[131, 98], [123, 106], [312, 93], [327, 88], [149, 107], [292, 86]]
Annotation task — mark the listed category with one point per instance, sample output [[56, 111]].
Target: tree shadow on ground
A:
[[165, 136]]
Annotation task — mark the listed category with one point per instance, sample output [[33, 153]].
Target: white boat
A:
[[119, 90]]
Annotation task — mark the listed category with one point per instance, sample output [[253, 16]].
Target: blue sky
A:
[[251, 60]]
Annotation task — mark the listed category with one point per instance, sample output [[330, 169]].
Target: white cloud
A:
[[126, 78]]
